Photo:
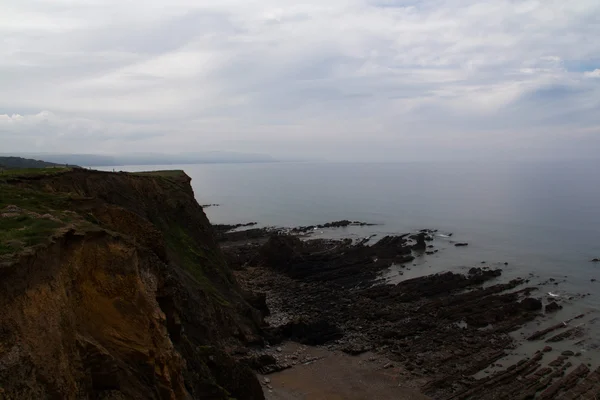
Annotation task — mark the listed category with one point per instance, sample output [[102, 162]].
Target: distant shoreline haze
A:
[[97, 160]]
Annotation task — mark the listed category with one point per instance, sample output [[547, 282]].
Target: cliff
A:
[[113, 287]]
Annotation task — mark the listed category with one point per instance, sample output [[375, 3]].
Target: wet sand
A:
[[338, 376]]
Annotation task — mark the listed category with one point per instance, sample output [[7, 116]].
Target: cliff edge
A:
[[113, 287]]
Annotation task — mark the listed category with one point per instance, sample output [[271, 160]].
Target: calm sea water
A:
[[541, 218]]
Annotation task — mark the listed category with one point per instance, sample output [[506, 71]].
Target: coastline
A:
[[455, 333]]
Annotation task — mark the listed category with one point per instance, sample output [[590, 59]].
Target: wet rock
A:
[[558, 362], [547, 349], [531, 304], [421, 242], [336, 224], [596, 260], [225, 227], [308, 332], [415, 320], [461, 244], [553, 307], [568, 353]]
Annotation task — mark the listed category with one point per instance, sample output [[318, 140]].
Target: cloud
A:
[[592, 74], [296, 79]]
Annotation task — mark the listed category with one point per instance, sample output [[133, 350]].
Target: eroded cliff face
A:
[[128, 298]]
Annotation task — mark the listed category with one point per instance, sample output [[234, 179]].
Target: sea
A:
[[541, 218]]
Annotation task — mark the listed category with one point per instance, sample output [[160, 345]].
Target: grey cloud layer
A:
[[338, 79]]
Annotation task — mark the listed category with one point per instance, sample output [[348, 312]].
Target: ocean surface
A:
[[542, 218]]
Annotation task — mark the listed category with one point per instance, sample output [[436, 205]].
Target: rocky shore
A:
[[116, 286], [449, 331]]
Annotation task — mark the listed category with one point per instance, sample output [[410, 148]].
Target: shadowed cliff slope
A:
[[113, 287]]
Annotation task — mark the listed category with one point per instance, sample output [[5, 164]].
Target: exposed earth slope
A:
[[113, 287]]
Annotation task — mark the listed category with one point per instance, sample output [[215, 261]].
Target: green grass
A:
[[32, 200], [193, 257], [28, 227], [24, 230], [29, 172]]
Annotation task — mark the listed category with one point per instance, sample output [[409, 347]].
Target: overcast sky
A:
[[336, 80]]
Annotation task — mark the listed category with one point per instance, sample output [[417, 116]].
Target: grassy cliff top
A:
[[31, 172], [30, 214]]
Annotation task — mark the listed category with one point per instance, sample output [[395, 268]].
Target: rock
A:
[[596, 260], [264, 364], [258, 300], [270, 387], [547, 349], [592, 280], [553, 307], [355, 349], [12, 209], [505, 263], [461, 244], [531, 304], [388, 365], [279, 349], [266, 380], [568, 353], [307, 332], [421, 242]]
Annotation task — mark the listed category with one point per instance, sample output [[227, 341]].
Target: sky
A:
[[370, 80]]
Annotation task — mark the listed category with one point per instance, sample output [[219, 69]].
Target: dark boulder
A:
[[355, 348], [280, 250], [421, 244], [461, 244], [312, 333], [258, 300], [531, 304], [553, 307]]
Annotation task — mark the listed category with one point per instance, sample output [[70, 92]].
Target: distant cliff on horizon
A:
[[98, 160], [20, 162]]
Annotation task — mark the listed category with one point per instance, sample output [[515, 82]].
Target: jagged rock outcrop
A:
[[128, 298]]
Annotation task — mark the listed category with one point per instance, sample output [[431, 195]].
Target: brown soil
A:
[[137, 303]]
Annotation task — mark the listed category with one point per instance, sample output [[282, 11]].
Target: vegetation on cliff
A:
[[113, 287]]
